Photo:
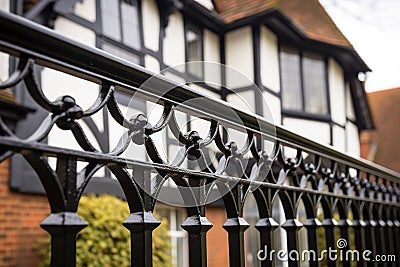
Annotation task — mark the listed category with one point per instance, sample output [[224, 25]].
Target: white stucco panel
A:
[[339, 137], [206, 3], [151, 24], [5, 5], [212, 72], [174, 41], [56, 84], [177, 79], [317, 131], [351, 114], [204, 90], [337, 92], [272, 108], [3, 66], [86, 9], [244, 100], [239, 55], [151, 63], [75, 31], [269, 59], [353, 139]]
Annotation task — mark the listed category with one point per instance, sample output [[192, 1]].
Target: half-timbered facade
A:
[[306, 70]]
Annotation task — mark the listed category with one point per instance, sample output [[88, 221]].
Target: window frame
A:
[[303, 113], [102, 38]]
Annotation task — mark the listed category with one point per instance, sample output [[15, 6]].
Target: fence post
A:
[[266, 227], [236, 228], [63, 228], [197, 227], [312, 225], [292, 227], [358, 225]]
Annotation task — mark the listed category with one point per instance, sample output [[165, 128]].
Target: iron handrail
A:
[[62, 53]]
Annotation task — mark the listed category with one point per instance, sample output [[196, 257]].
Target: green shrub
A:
[[105, 242]]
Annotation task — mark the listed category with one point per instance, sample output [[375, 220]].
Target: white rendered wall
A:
[[239, 55], [4, 6], [75, 31], [212, 73], [206, 3], [349, 104], [86, 9], [151, 24], [337, 92], [272, 107], [353, 141], [269, 59], [56, 84], [339, 137], [317, 131], [174, 41], [205, 91], [352, 134], [244, 100], [3, 66], [151, 63]]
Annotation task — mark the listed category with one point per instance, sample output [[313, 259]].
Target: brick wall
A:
[[20, 216], [217, 238], [366, 141]]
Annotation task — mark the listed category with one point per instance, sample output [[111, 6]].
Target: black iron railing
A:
[[316, 174]]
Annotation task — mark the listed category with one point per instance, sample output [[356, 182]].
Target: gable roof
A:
[[385, 110], [309, 16]]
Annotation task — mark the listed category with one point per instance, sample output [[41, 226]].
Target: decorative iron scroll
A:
[[317, 175]]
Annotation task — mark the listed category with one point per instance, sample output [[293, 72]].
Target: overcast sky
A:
[[373, 27]]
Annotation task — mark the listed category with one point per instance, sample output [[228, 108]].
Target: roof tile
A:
[[307, 15]]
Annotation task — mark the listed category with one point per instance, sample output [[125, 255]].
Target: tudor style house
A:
[[306, 69]]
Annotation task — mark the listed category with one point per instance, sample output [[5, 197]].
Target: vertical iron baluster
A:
[[329, 226], [387, 190], [141, 226], [369, 236], [266, 224], [266, 227], [312, 224], [235, 225], [396, 230], [142, 223], [197, 226], [379, 237], [388, 233], [359, 239], [63, 226], [236, 228], [292, 227], [344, 225]]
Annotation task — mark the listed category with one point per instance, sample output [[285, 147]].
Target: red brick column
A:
[[20, 216]]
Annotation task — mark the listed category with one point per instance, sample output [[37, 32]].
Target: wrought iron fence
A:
[[315, 174]]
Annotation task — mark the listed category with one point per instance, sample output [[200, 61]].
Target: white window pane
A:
[[130, 25], [110, 19], [291, 82], [314, 85]]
